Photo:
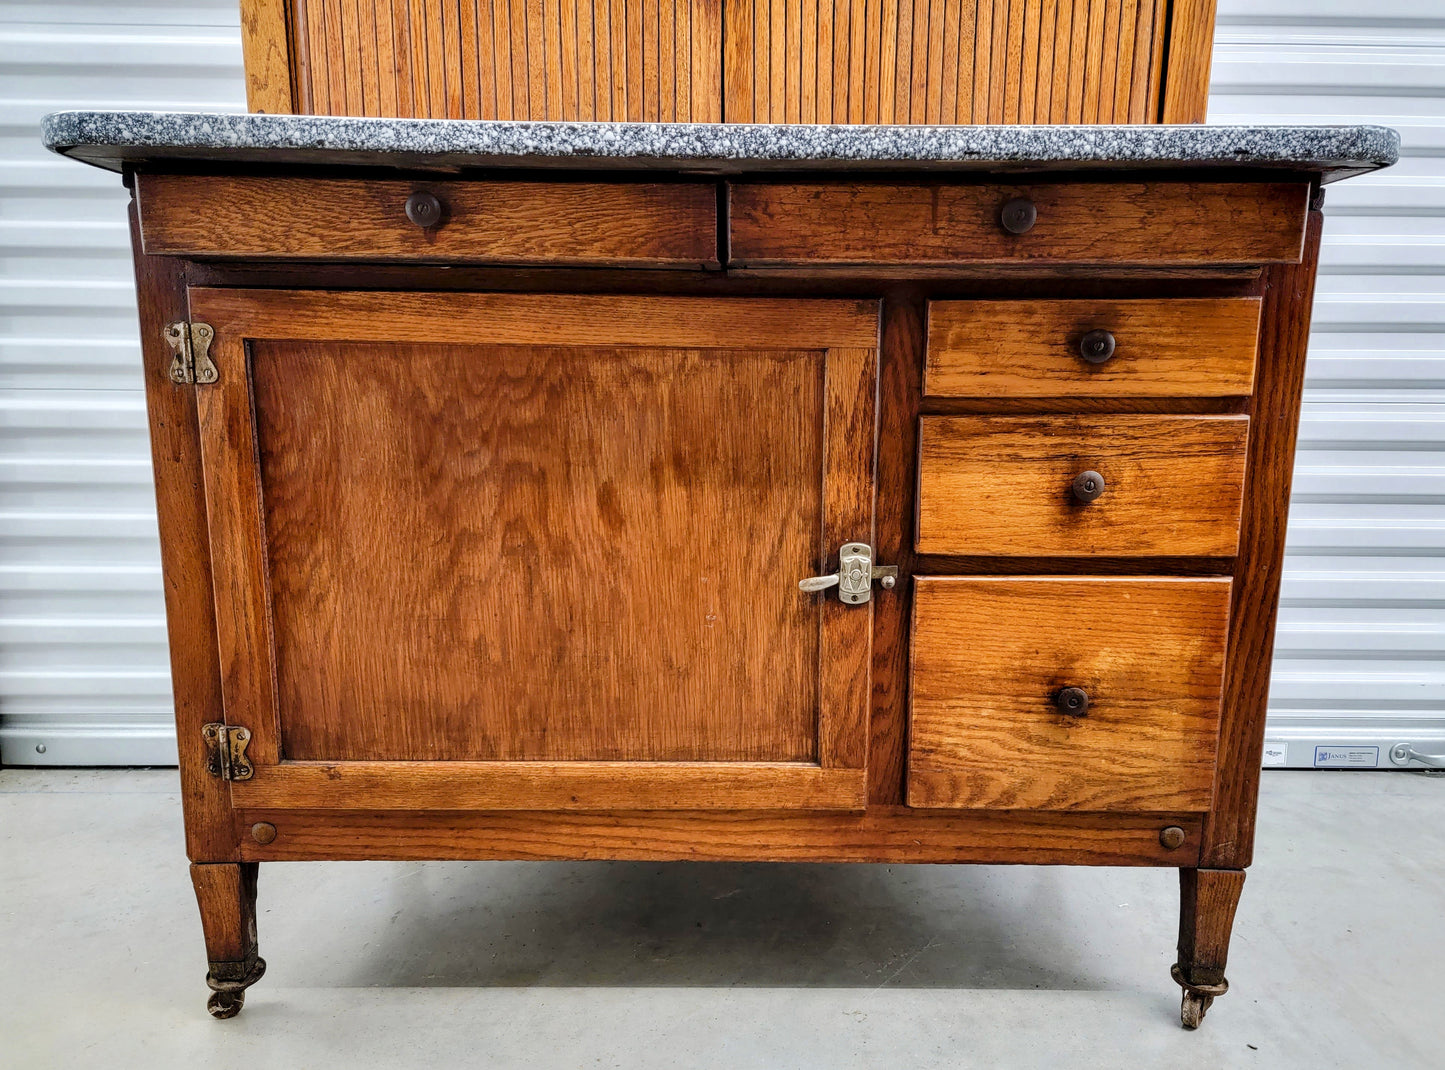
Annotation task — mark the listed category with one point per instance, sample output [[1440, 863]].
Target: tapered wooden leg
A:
[[1207, 901], [226, 893]]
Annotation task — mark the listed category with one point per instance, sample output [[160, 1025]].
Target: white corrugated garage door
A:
[[1360, 658], [82, 646], [83, 666]]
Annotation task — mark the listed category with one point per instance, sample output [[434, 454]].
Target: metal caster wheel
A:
[[1192, 1009], [225, 1004], [228, 994]]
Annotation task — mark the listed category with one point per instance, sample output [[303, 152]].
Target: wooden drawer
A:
[[991, 656], [1004, 485], [1162, 348], [1147, 223], [646, 224]]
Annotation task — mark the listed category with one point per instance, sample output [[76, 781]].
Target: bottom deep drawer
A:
[[1066, 693]]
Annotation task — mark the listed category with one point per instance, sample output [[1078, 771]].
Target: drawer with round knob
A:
[[1044, 225], [624, 224], [1176, 347], [1070, 486], [1046, 693]]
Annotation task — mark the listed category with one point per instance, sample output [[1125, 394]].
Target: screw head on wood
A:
[[1072, 701], [1096, 346], [1172, 837], [263, 831], [1018, 216], [424, 209]]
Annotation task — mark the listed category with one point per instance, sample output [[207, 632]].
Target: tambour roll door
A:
[[1360, 658], [84, 674]]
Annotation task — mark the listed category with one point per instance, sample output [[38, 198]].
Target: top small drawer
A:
[[1146, 223], [562, 223]]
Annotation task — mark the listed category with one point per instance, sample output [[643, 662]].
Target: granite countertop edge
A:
[[109, 138]]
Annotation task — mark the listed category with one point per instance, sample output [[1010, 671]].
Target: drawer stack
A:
[[1106, 689]]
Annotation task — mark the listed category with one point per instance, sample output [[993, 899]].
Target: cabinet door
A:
[[477, 551]]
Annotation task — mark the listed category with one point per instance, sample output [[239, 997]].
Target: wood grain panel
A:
[[1164, 348], [922, 224], [1002, 485], [658, 60], [935, 61], [989, 654], [881, 834], [623, 224]]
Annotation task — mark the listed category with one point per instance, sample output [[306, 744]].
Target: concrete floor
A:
[[1338, 956]]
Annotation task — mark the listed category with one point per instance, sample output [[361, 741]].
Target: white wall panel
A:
[[1360, 654], [83, 665]]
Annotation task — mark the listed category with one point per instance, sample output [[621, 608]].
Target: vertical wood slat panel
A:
[[830, 61]]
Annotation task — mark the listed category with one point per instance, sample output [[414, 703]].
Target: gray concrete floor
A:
[[1338, 955]]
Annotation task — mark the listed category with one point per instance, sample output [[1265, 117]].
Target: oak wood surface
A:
[[185, 556], [226, 896], [266, 54], [1164, 348], [881, 834], [1004, 485], [990, 654], [1163, 223], [503, 222], [533, 554], [1208, 899], [1284, 336], [1191, 43]]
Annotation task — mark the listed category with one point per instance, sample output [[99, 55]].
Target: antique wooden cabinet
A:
[[667, 493]]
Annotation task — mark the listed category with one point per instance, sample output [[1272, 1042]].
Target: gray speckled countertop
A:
[[112, 138]]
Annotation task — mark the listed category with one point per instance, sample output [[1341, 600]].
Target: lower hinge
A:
[[191, 345], [226, 751]]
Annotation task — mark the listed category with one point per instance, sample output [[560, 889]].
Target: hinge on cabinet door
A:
[[191, 343], [226, 751]]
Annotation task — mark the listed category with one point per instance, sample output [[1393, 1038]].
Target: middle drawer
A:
[[1133, 486]]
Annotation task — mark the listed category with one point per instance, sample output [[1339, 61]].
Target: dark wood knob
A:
[[1096, 346], [1073, 701], [1018, 215], [424, 209], [1088, 486], [1171, 837]]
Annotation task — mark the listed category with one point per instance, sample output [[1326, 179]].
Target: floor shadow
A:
[[702, 924]]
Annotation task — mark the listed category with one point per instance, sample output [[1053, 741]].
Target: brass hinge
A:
[[191, 343], [226, 751]]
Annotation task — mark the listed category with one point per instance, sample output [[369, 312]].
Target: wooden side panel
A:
[[266, 52], [1159, 223], [1165, 348], [989, 655], [1191, 46], [944, 61], [623, 224], [1003, 485], [507, 59]]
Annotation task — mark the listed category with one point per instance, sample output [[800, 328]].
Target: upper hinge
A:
[[191, 343], [226, 751]]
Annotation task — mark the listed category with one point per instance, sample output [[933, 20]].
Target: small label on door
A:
[[1276, 753], [1347, 757]]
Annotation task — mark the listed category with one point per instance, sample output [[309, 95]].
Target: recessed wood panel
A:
[[989, 655], [1179, 347], [954, 61], [589, 223], [638, 60], [1003, 485], [925, 223]]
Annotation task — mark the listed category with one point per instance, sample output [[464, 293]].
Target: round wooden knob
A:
[[263, 831], [424, 209], [1172, 837], [1088, 486], [1096, 346], [1018, 215], [1073, 701]]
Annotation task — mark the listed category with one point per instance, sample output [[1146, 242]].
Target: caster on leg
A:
[[228, 985], [1197, 998]]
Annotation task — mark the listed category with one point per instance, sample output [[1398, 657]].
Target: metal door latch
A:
[[191, 344], [226, 751], [855, 575], [1404, 754]]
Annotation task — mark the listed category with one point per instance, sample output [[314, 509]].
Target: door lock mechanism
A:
[[855, 575]]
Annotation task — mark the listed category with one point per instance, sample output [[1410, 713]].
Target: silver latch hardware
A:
[[226, 751], [855, 575], [191, 344]]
